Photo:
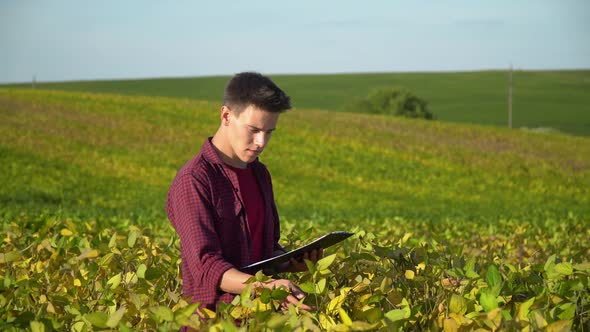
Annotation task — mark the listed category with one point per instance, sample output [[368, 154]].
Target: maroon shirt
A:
[[254, 205], [207, 209]]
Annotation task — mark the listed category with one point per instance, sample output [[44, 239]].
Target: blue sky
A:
[[85, 40]]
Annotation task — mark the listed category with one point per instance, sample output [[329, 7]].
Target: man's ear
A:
[[225, 115]]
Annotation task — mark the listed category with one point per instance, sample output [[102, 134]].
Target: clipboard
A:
[[325, 241]]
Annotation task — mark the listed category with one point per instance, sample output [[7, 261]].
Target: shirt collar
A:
[[210, 153]]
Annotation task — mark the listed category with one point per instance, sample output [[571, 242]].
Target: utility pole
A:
[[510, 98], [34, 81]]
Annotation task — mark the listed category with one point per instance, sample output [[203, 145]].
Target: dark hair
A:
[[249, 88]]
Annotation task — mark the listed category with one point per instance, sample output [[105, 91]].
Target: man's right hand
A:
[[234, 281], [295, 297]]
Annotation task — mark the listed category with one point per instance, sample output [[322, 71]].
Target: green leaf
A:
[[362, 326], [265, 296], [113, 241], [583, 267], [549, 263], [153, 273], [261, 277], [277, 321], [279, 293], [524, 309], [493, 277], [37, 326], [79, 326], [374, 314], [132, 238], [308, 287], [320, 286], [398, 314], [488, 301], [162, 313], [310, 266], [325, 262], [564, 268], [98, 319], [385, 286], [182, 315], [569, 311], [458, 304], [141, 271], [470, 269], [115, 317]]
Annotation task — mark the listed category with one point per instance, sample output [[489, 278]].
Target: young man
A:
[[221, 202]]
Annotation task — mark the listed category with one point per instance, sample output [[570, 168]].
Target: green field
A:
[[559, 100], [457, 226]]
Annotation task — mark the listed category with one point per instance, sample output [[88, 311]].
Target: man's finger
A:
[[292, 299], [297, 292]]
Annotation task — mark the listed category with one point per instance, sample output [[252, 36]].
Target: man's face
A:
[[249, 132]]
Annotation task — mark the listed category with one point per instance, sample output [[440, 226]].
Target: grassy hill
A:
[[457, 227], [548, 99], [116, 155]]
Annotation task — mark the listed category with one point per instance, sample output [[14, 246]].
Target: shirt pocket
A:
[[229, 211]]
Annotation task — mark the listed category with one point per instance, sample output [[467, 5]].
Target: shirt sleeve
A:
[[194, 216]]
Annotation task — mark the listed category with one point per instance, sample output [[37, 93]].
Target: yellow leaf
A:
[[409, 274], [326, 321], [539, 319], [460, 319], [406, 237], [23, 277], [450, 325], [337, 301], [50, 308], [42, 299], [39, 267], [344, 317], [494, 318], [78, 326], [130, 277], [206, 313], [92, 253], [66, 232], [9, 257], [115, 281], [77, 282], [560, 326]]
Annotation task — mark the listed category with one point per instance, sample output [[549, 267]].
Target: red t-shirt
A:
[[254, 205]]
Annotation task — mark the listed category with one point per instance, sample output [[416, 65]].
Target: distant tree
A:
[[394, 101]]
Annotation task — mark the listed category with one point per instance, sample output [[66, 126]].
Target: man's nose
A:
[[261, 139]]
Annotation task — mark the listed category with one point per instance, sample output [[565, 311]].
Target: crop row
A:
[[64, 274]]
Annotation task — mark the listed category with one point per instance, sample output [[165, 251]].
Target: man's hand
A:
[[234, 281], [295, 296], [298, 264]]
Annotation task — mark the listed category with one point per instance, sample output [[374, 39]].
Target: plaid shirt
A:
[[206, 208]]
